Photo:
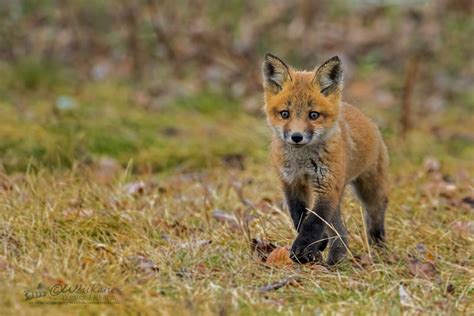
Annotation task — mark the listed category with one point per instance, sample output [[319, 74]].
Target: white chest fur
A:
[[304, 162]]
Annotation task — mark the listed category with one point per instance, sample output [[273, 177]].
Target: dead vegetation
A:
[[133, 155]]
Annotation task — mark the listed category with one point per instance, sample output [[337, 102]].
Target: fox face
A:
[[302, 106]]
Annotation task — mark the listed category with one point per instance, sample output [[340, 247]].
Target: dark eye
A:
[[313, 115], [285, 114]]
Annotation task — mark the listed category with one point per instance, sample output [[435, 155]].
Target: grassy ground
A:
[[162, 205]]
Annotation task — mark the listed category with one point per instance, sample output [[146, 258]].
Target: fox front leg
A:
[[313, 235], [296, 196]]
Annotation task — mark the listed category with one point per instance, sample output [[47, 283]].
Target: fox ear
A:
[[275, 73], [329, 76]]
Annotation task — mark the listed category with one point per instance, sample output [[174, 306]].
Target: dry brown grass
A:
[[159, 245]]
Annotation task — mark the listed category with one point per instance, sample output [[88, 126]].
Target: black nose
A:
[[297, 137]]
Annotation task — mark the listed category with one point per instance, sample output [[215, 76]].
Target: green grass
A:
[[39, 132], [68, 217]]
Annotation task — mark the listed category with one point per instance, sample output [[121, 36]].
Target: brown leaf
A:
[[143, 264], [468, 201], [171, 131], [200, 268], [86, 261], [425, 270], [421, 248], [262, 248], [405, 297], [236, 161], [450, 288], [105, 170], [431, 164], [275, 286], [439, 187], [5, 183], [279, 257], [463, 227], [366, 260], [134, 188], [3, 265], [317, 267], [176, 227]]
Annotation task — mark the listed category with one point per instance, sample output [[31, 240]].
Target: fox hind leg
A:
[[371, 188], [338, 240]]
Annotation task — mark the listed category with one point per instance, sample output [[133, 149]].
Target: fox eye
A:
[[285, 114], [313, 115]]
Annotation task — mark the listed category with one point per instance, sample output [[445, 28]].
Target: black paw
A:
[[304, 250], [377, 237], [336, 254]]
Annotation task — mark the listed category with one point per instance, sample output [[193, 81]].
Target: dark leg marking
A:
[[296, 200], [338, 247], [312, 237]]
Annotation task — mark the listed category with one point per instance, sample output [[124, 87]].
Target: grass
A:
[[142, 221], [38, 130], [86, 233]]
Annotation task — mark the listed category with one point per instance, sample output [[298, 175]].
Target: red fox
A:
[[320, 145]]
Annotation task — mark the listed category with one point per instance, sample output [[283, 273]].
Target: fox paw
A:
[[304, 251]]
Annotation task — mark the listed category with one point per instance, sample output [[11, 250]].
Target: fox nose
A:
[[297, 137]]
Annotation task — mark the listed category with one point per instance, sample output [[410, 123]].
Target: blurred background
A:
[[176, 85]]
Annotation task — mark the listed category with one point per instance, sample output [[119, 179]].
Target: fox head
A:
[[302, 106]]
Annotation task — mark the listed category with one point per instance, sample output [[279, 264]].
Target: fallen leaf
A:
[[75, 213], [391, 258], [86, 261], [262, 248], [317, 267], [469, 201], [3, 265], [430, 257], [200, 268], [421, 248], [143, 263], [154, 293], [106, 169], [236, 161], [279, 257], [5, 183], [431, 164], [134, 188], [422, 269], [171, 131], [275, 286], [405, 298], [439, 187], [450, 288], [463, 227], [196, 243], [176, 227], [366, 260]]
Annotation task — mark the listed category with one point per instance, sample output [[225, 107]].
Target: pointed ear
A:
[[329, 76], [275, 73]]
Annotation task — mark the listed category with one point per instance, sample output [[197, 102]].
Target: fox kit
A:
[[320, 145]]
